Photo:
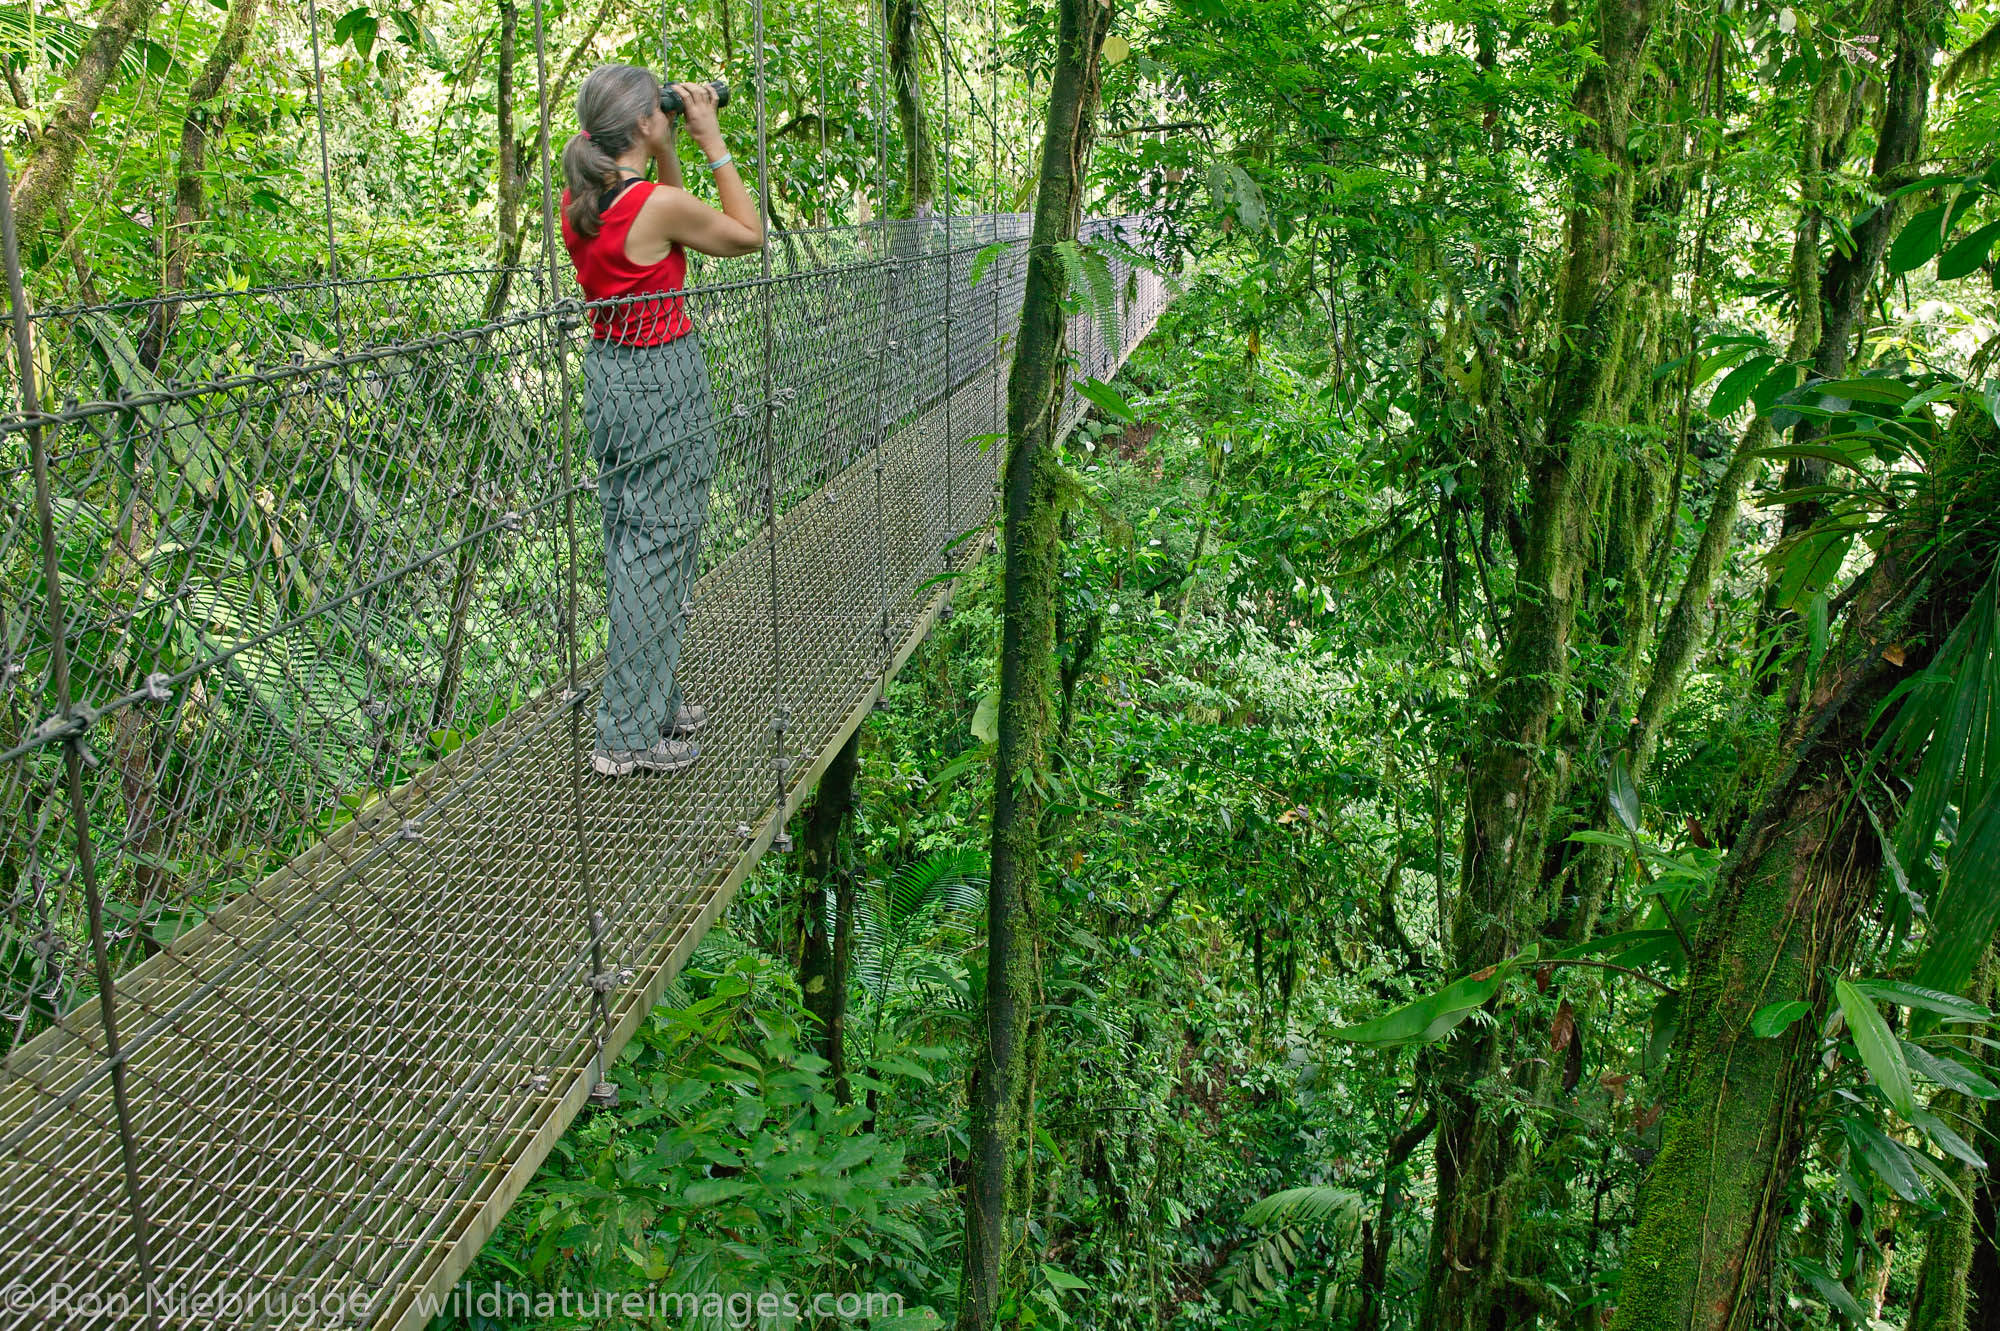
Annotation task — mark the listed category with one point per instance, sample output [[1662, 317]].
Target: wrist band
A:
[[722, 161]]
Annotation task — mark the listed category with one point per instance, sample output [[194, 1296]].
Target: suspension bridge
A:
[[321, 930]]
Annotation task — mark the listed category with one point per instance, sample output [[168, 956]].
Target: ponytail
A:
[[609, 106]]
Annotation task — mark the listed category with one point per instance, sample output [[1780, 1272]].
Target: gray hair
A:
[[609, 106]]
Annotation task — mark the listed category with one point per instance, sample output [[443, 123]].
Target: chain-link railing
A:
[[323, 913]]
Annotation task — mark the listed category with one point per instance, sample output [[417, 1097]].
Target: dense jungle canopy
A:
[[1468, 796]]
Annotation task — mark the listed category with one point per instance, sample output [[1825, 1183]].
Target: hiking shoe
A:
[[687, 721], [669, 755]]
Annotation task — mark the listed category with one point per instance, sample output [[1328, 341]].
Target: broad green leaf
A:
[[1917, 996], [1623, 795], [709, 1191], [1737, 386], [1967, 256], [1613, 943], [1776, 1018], [986, 718], [1888, 1159], [1945, 1139], [1836, 1294], [1807, 563], [1921, 237], [1892, 392], [1107, 399], [1879, 1051], [1431, 1017], [1948, 1072]]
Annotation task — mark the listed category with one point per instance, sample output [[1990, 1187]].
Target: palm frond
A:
[[1302, 1206]]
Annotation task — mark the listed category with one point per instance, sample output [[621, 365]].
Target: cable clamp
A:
[[742, 831], [510, 521], [63, 727], [409, 831], [781, 764], [780, 719], [605, 981], [158, 687]]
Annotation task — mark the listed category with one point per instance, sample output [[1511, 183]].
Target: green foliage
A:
[[728, 1168]]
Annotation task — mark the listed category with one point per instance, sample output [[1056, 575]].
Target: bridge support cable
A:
[[319, 927]]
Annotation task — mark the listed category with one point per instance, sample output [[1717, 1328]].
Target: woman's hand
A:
[[698, 104]]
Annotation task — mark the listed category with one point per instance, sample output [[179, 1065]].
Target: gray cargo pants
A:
[[652, 430]]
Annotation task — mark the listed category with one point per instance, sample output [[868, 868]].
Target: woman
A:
[[645, 390]]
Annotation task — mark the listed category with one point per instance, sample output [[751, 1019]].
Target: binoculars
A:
[[670, 98]]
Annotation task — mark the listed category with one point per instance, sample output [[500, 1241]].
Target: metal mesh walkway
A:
[[296, 726]]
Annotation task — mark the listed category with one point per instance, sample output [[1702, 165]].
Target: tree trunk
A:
[[1786, 915], [1850, 272], [1945, 1280], [1378, 1235], [906, 78], [1510, 790], [1823, 134], [823, 945], [1002, 1078], [510, 180], [1982, 1303], [510, 187], [1788, 908], [200, 124], [44, 186]]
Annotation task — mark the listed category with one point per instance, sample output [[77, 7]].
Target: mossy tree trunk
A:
[[1511, 788], [201, 123], [1851, 269], [1823, 132], [1001, 1092], [1787, 911], [907, 81], [1786, 914], [1982, 1301], [826, 938], [1944, 1292], [43, 188], [510, 189]]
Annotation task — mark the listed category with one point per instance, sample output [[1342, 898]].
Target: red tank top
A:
[[606, 274]]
